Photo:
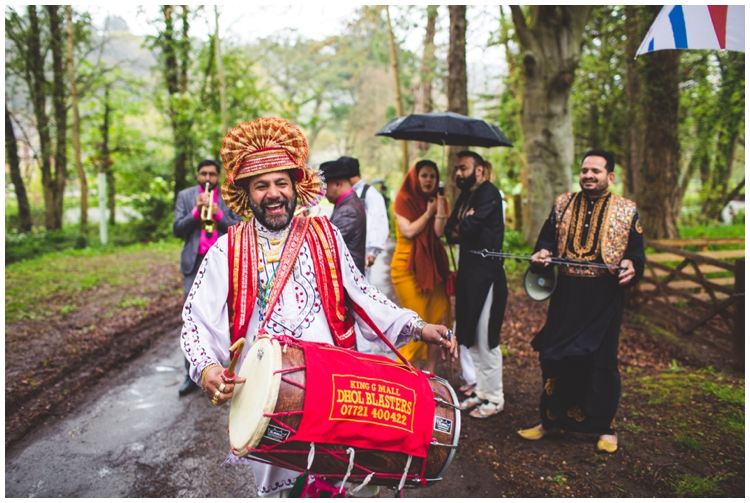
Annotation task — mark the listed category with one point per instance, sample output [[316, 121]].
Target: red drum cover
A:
[[365, 401]]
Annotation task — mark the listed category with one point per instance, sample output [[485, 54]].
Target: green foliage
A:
[[20, 246], [599, 87], [34, 286], [156, 207], [712, 230], [698, 487]]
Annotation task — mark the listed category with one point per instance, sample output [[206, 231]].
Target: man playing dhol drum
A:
[[266, 174]]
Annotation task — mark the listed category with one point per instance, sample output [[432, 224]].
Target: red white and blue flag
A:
[[697, 27]]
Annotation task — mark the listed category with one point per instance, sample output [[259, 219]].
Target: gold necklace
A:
[[272, 255]]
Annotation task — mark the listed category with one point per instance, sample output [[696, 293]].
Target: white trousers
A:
[[468, 372], [488, 362]]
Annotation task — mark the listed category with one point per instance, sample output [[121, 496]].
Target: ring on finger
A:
[[221, 387]]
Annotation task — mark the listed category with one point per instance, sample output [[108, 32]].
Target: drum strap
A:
[[366, 318]]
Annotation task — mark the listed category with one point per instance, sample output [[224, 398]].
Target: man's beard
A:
[[468, 182], [598, 190], [274, 222]]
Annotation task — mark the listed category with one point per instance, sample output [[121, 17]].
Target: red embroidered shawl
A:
[[318, 233]]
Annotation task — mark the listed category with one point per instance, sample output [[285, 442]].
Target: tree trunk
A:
[[105, 163], [397, 84], [14, 163], [633, 141], [658, 192], [59, 101], [76, 123], [458, 100], [222, 78], [38, 92], [551, 45], [423, 103]]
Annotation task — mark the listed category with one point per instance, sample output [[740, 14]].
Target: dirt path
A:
[[129, 435]]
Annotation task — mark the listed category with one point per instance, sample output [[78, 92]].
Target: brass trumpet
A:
[[207, 219]]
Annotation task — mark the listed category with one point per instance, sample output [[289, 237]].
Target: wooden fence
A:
[[703, 294]]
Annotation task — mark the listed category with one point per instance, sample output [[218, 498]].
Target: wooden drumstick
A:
[[237, 347]]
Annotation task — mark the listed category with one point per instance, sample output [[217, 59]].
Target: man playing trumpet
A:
[[200, 217]]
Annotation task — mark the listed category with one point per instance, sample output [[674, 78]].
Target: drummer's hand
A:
[[214, 380], [627, 271], [438, 334], [541, 257]]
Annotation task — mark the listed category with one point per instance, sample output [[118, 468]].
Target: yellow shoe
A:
[[606, 446], [530, 434]]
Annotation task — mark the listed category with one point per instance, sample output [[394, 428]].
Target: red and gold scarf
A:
[[318, 233]]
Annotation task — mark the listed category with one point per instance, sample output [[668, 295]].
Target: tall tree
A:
[[397, 85], [76, 120], [551, 45], [37, 83], [56, 185], [222, 78], [427, 68], [423, 103], [729, 117], [14, 163], [658, 193], [458, 100], [633, 134], [175, 60]]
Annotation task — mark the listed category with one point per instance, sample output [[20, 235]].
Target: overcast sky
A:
[[246, 22]]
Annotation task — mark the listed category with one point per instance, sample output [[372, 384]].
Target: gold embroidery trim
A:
[[576, 413], [549, 386], [550, 415], [590, 250]]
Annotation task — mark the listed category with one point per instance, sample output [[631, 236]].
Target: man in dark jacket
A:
[[189, 226], [349, 213], [476, 223]]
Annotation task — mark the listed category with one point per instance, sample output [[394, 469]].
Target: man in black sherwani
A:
[[476, 223], [578, 344]]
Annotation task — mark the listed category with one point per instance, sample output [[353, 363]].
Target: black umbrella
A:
[[445, 128]]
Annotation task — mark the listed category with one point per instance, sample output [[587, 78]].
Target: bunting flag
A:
[[697, 27]]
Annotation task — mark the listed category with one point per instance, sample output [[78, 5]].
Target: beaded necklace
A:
[[265, 290]]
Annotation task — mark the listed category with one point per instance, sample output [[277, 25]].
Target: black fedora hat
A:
[[335, 170]]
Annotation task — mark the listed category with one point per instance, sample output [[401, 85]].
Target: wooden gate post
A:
[[738, 332]]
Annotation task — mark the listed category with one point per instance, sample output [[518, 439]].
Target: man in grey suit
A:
[[189, 226]]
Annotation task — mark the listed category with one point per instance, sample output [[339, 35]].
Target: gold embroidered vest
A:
[[613, 234]]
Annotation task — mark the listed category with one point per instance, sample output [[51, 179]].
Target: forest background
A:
[[87, 98], [137, 99]]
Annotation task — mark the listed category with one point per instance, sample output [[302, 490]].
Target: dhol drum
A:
[[347, 407]]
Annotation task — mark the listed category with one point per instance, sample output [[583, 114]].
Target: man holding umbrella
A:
[[476, 223]]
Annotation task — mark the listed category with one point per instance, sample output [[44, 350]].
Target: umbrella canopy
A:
[[445, 128]]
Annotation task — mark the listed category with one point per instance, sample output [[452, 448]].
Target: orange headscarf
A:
[[427, 258]]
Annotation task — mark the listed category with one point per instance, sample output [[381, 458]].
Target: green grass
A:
[[698, 487], [33, 286]]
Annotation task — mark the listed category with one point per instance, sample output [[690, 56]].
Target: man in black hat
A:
[[377, 214], [349, 211]]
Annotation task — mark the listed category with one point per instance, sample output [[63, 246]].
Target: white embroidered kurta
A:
[[377, 219], [206, 336]]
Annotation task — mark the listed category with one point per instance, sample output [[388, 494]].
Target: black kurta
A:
[[578, 344], [483, 229]]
